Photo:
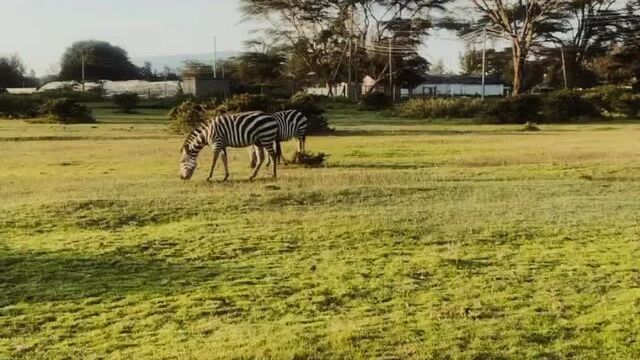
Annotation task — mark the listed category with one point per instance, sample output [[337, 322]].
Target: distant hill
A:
[[177, 61]]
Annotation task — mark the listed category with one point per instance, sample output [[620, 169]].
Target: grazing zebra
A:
[[254, 128], [291, 123]]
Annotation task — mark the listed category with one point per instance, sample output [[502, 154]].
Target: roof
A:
[[461, 79], [21, 91]]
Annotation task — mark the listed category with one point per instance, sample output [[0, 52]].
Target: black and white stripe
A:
[[292, 123], [254, 128]]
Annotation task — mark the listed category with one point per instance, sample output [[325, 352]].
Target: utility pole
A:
[[166, 73], [83, 60], [484, 58], [350, 51], [564, 68], [391, 89], [215, 71]]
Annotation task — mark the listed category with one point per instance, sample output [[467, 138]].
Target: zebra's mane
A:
[[196, 132]]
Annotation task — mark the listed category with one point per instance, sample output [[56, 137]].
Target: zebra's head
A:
[[188, 163]]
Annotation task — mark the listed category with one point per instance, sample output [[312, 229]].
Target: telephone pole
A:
[[391, 89], [350, 51], [484, 58], [564, 67], [215, 70], [83, 60]]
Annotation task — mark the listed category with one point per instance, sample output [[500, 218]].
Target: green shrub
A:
[[606, 97], [567, 105], [441, 108], [186, 116], [248, 102], [375, 101], [66, 111], [93, 95], [513, 110], [126, 101], [628, 104], [309, 105], [19, 106]]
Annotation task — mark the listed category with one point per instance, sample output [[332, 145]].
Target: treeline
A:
[[556, 107], [586, 42]]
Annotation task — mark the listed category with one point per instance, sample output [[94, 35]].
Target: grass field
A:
[[418, 240]]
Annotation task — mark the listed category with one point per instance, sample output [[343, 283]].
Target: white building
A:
[[457, 85]]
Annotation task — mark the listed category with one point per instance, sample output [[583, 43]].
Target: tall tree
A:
[[589, 29], [523, 24], [12, 71], [102, 61], [325, 37]]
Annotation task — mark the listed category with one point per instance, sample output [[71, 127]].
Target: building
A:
[[20, 91], [457, 85], [200, 87]]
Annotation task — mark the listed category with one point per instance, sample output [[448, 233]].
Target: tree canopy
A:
[[103, 61]]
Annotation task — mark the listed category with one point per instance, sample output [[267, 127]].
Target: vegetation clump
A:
[[310, 106], [309, 159], [441, 108], [66, 111], [126, 101], [186, 116], [375, 101]]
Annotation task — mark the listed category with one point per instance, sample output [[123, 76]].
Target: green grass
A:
[[418, 240]]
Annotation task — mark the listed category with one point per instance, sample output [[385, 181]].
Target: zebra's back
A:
[[291, 123], [245, 129]]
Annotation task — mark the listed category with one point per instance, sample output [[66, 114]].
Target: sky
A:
[[40, 30]]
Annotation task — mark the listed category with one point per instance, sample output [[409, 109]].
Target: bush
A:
[[513, 110], [441, 108], [309, 159], [126, 101], [248, 102], [606, 97], [92, 95], [629, 105], [18, 106], [66, 111], [186, 116], [374, 101], [567, 105], [309, 105]]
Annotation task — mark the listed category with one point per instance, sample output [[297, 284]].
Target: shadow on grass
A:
[[32, 277]]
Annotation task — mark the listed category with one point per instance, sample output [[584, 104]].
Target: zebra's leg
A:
[[273, 154], [260, 153], [254, 157], [216, 153], [225, 161]]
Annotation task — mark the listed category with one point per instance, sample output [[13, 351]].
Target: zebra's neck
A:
[[199, 138]]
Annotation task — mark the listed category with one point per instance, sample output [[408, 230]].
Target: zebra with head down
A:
[[253, 128]]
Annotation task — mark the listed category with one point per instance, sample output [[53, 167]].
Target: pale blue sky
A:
[[40, 30]]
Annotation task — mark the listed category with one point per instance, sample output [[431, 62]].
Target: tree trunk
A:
[[518, 68]]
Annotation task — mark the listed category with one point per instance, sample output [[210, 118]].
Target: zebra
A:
[[231, 130], [291, 123]]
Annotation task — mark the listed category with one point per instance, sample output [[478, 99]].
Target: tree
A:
[[325, 37], [522, 24], [588, 29], [197, 69], [12, 71], [438, 68], [259, 68], [103, 61]]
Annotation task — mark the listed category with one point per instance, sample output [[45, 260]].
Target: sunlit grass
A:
[[416, 241]]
